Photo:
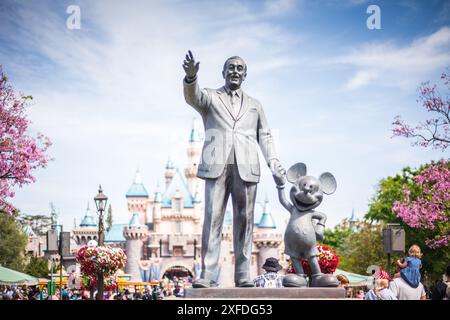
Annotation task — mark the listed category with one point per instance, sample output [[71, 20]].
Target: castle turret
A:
[[135, 233], [170, 171], [34, 246], [87, 230], [137, 197], [266, 238], [193, 153], [157, 203], [88, 219]]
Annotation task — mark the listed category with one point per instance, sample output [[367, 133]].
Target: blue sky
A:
[[109, 95]]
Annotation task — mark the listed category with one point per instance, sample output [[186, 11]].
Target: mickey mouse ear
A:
[[328, 183], [295, 172]]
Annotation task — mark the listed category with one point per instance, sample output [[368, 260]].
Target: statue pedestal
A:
[[264, 293]]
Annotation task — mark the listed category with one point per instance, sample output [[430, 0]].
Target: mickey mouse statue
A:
[[305, 225]]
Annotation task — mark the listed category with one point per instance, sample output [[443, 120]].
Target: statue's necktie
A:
[[235, 103]]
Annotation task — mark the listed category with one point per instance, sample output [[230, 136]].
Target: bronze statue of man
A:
[[235, 125]]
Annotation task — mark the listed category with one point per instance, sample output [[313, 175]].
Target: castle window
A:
[[177, 205], [177, 251], [177, 226]]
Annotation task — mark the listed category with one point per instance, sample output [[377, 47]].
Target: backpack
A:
[[270, 283]]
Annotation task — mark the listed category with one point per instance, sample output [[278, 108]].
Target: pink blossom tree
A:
[[427, 204], [20, 153], [435, 131]]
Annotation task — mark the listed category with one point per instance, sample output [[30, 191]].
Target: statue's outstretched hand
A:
[[278, 172], [190, 67]]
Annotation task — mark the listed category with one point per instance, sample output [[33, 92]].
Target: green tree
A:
[[13, 243], [37, 267], [363, 248], [109, 218], [335, 238], [390, 189], [359, 248]]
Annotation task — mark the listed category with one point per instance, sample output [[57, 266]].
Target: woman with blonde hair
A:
[[410, 266]]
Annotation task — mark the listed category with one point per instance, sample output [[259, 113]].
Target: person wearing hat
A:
[[270, 279]]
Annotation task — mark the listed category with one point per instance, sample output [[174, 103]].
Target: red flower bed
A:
[[100, 259], [109, 282], [328, 261], [106, 260]]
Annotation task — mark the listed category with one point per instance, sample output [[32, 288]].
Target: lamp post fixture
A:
[[393, 241], [60, 253], [100, 202]]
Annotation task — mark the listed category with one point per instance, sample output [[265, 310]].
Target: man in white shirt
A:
[[403, 291]]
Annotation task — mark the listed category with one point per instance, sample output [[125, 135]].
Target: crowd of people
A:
[[166, 289], [405, 285]]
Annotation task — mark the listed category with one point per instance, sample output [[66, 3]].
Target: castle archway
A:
[[177, 271]]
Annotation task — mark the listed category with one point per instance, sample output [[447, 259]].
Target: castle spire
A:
[[138, 177], [137, 189], [158, 195], [352, 221], [88, 219], [267, 221], [193, 154], [170, 171], [169, 163], [195, 134]]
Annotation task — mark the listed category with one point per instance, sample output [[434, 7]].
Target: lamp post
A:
[[100, 202], [60, 252], [393, 241]]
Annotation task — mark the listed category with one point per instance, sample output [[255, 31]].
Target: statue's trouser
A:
[[243, 196]]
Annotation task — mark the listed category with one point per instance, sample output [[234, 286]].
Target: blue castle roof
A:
[[267, 221], [137, 189], [195, 136], [197, 198], [88, 219], [158, 195], [177, 183], [115, 234], [29, 231], [135, 221]]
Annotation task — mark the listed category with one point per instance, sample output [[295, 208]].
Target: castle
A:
[[163, 236]]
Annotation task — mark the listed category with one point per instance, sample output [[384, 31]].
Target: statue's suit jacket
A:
[[224, 131]]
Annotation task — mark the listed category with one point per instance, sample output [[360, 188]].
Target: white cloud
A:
[[110, 95], [390, 64], [361, 78], [277, 7]]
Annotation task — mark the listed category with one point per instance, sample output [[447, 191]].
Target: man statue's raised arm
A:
[[194, 96]]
